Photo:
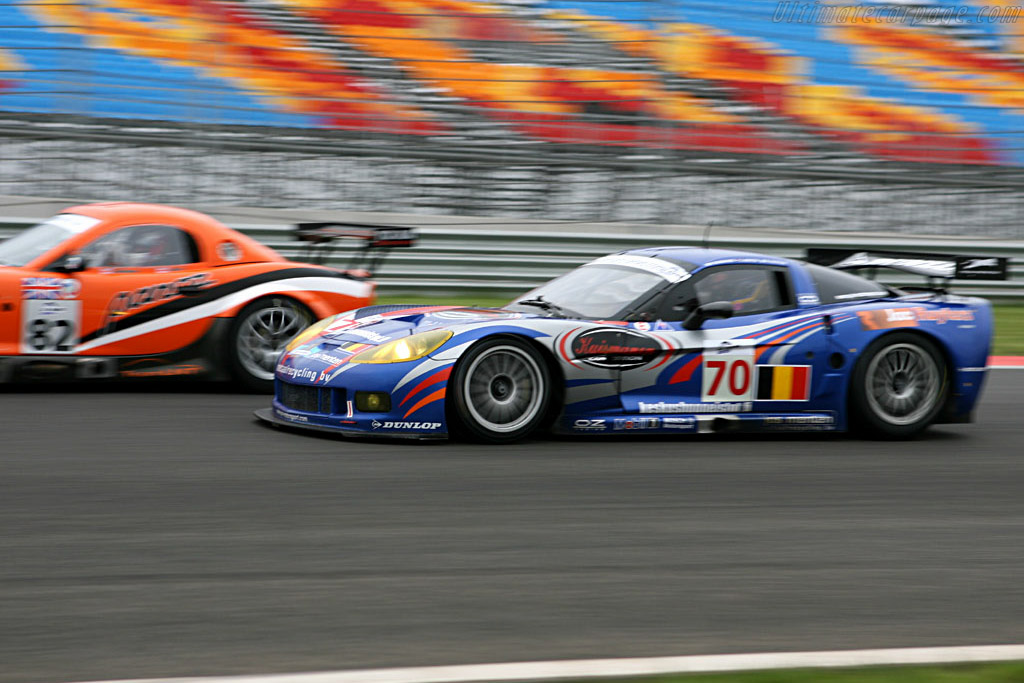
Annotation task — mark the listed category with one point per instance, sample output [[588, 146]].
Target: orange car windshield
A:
[[29, 245]]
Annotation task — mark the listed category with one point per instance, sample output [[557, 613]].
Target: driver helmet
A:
[[148, 247]]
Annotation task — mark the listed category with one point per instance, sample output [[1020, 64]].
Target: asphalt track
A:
[[160, 531]]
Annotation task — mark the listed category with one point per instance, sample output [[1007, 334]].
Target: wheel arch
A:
[[316, 304], [227, 343], [555, 373], [557, 380], [935, 341]]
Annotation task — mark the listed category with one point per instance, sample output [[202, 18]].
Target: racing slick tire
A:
[[257, 337], [499, 392], [898, 387]]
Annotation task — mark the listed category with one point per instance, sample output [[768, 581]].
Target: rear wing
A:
[[944, 266], [322, 238]]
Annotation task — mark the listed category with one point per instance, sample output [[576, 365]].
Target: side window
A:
[[750, 290], [836, 286], [140, 246]]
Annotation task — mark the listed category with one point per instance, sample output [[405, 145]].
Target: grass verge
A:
[[1009, 339], [1000, 672]]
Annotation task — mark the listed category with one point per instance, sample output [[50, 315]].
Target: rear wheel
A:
[[500, 391], [899, 386], [258, 336]]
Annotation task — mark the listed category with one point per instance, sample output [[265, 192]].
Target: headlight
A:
[[412, 347], [307, 334]]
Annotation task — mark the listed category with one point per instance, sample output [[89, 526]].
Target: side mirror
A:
[[72, 263], [717, 310]]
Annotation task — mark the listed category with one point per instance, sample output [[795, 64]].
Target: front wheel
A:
[[258, 336], [899, 385], [500, 391]]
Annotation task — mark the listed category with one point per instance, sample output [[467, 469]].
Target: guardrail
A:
[[510, 261], [513, 261]]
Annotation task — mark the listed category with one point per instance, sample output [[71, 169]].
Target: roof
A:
[[695, 258]]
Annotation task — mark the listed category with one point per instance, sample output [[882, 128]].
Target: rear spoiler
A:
[[378, 239], [946, 266]]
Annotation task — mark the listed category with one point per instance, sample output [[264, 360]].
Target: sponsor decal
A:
[[662, 408], [165, 371], [368, 334], [592, 425], [642, 326], [944, 315], [990, 268], [615, 348], [801, 423], [291, 416], [688, 424], [888, 318], [808, 300], [342, 324], [50, 288], [661, 268], [430, 426], [229, 251], [783, 382], [123, 302], [323, 357], [976, 263], [801, 420], [630, 423], [296, 373]]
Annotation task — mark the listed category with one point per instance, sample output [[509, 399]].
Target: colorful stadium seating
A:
[[652, 75]]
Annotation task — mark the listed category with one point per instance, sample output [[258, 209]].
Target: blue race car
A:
[[661, 341]]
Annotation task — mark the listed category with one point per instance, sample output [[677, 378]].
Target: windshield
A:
[[36, 241], [594, 291]]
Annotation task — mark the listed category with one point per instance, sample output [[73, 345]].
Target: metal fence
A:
[[300, 169], [495, 259]]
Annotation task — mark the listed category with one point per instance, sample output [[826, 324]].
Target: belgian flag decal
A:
[[783, 382]]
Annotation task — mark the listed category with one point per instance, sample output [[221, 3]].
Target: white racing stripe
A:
[[617, 668], [217, 306]]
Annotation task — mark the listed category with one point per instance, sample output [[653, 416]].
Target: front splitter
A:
[[268, 415]]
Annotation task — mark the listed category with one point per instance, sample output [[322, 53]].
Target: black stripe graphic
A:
[[765, 377], [183, 303]]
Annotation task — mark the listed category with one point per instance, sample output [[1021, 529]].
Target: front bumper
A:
[[363, 426]]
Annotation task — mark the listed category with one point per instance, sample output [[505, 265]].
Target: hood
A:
[[323, 351], [375, 325]]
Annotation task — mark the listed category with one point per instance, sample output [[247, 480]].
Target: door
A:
[[135, 279], [765, 357]]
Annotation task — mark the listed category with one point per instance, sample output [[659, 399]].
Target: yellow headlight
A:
[[308, 333], [412, 347]]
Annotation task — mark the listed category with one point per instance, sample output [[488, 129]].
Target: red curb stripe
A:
[[1006, 361]]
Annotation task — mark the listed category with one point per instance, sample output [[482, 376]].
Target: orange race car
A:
[[119, 290]]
